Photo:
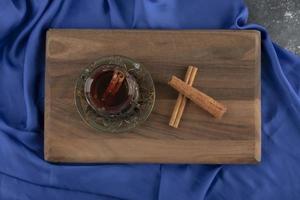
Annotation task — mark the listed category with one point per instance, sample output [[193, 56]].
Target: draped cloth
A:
[[25, 175]]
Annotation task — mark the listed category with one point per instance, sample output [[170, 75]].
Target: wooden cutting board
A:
[[229, 71]]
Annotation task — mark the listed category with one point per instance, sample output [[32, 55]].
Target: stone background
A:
[[281, 18]]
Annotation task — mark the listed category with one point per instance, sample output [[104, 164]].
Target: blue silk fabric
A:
[[25, 175]]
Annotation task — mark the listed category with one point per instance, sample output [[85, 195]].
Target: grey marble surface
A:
[[281, 18]]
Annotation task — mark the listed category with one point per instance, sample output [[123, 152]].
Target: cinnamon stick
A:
[[206, 102], [184, 99], [114, 85], [179, 100]]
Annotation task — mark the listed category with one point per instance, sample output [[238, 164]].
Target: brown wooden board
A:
[[229, 71]]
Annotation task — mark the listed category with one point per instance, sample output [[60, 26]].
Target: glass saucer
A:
[[140, 84]]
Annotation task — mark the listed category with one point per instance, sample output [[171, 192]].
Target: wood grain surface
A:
[[229, 71]]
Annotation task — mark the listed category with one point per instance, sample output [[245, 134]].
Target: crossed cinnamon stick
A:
[[186, 90]]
